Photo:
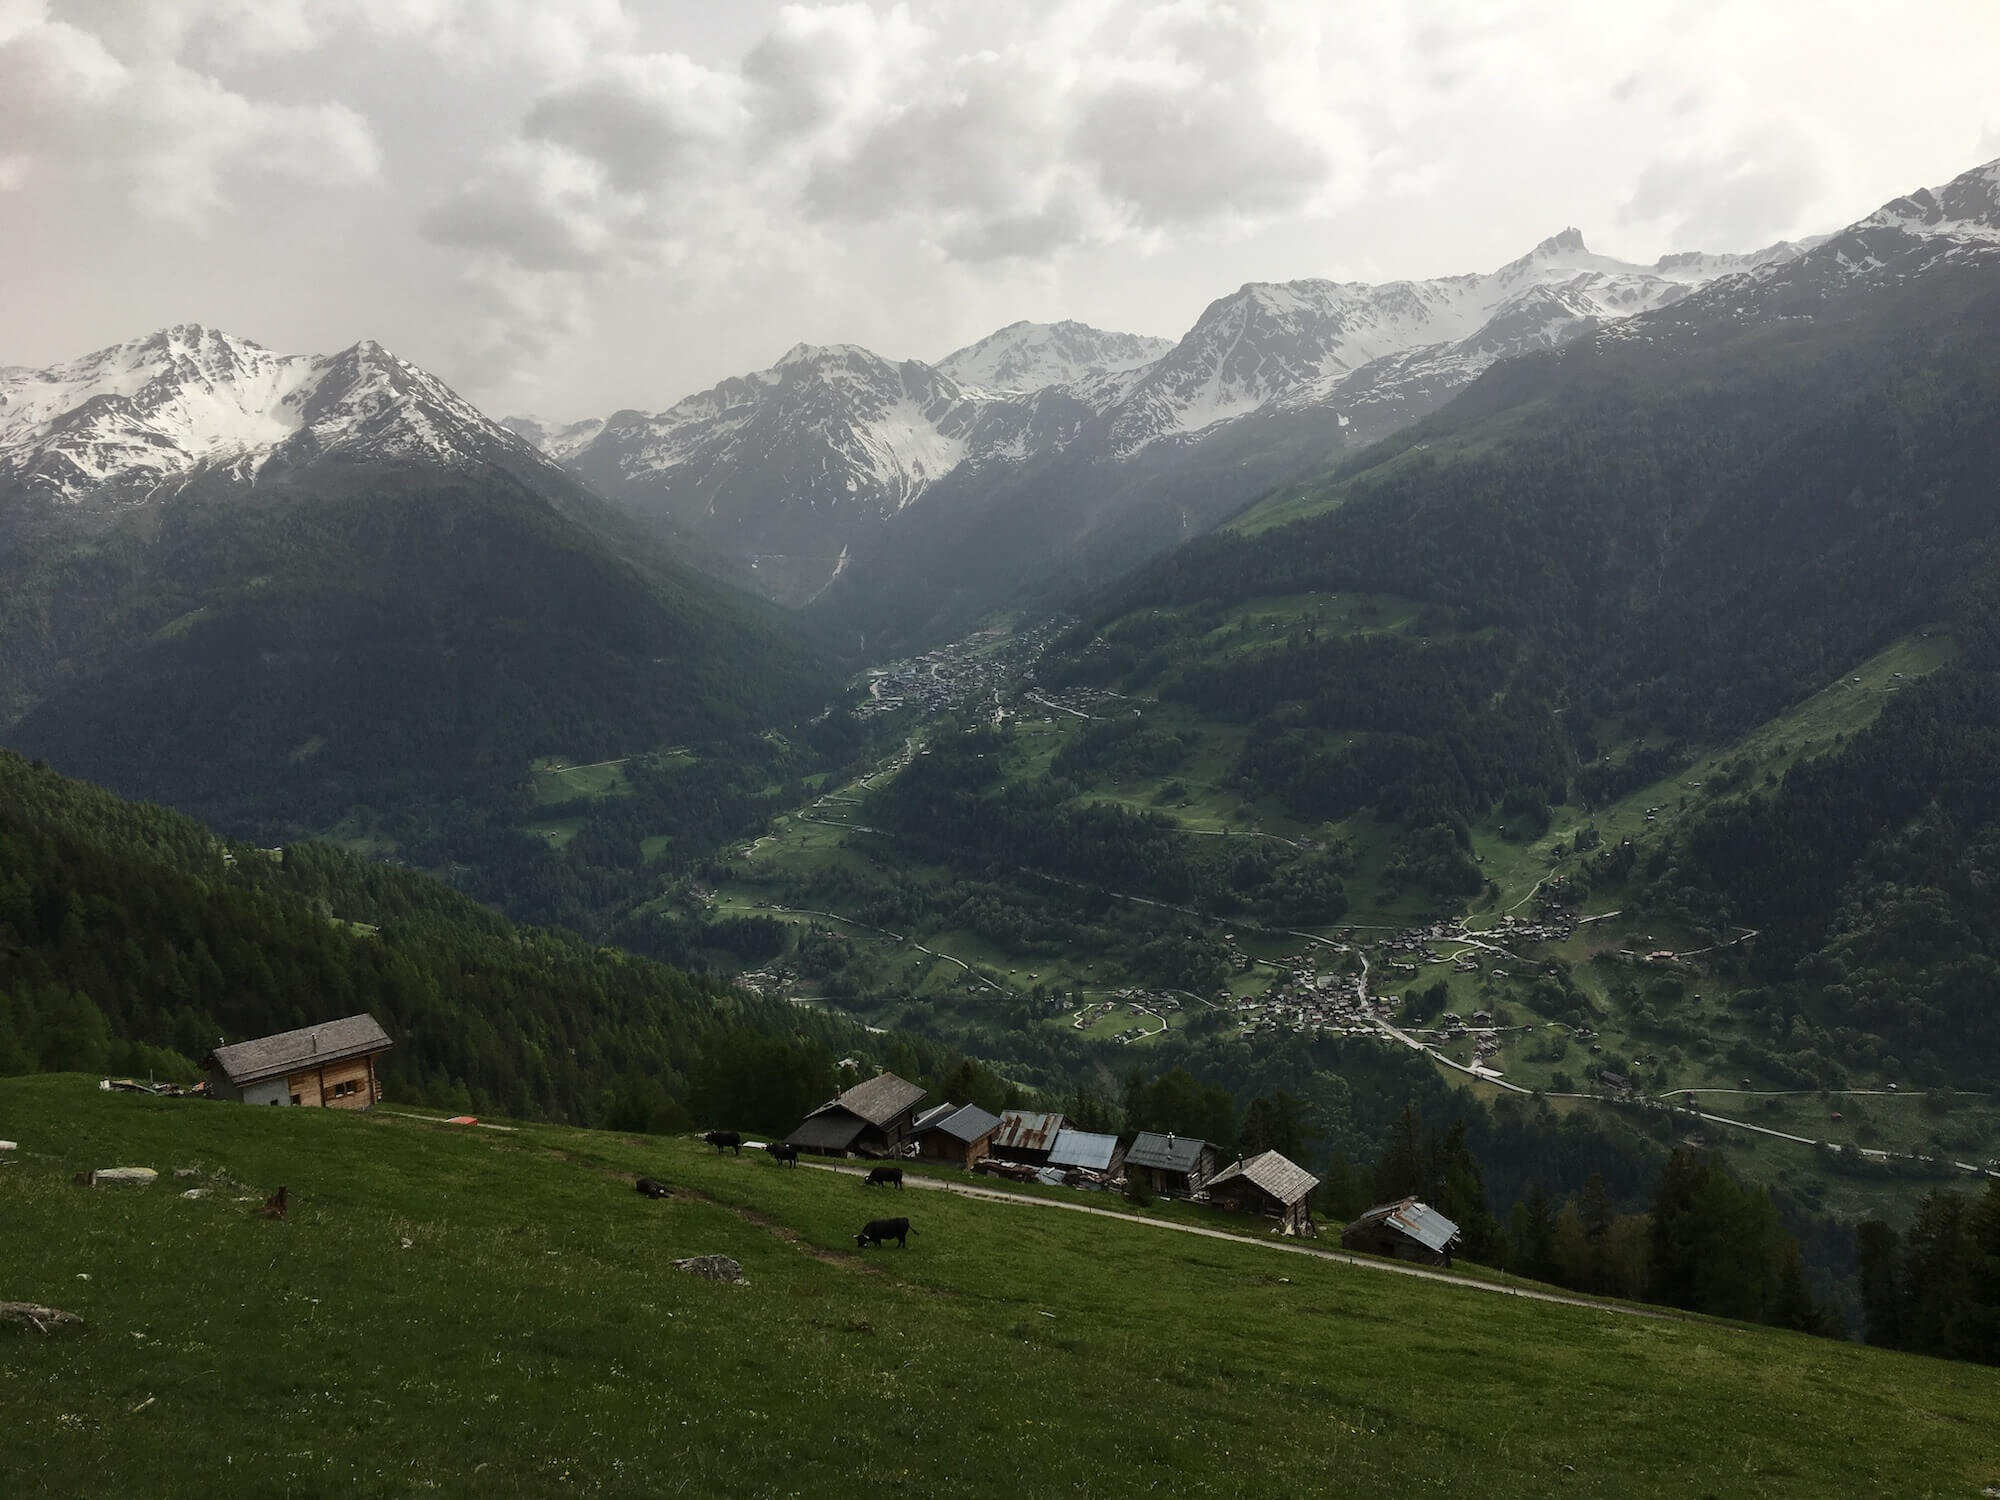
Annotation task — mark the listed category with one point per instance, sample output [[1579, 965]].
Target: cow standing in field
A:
[[885, 1177], [724, 1140], [877, 1231], [780, 1151]]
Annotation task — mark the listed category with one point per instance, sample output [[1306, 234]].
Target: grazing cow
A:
[[878, 1231], [651, 1189], [724, 1140], [781, 1151], [885, 1177]]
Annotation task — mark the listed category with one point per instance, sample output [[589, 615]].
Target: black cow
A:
[[651, 1189], [724, 1140], [877, 1231], [780, 1151], [885, 1177]]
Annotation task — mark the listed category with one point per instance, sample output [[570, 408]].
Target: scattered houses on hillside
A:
[[959, 1134], [331, 1065], [1268, 1184], [1406, 1229], [874, 1118], [1175, 1166], [1026, 1135]]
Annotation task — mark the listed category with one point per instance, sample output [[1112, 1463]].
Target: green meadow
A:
[[450, 1309]]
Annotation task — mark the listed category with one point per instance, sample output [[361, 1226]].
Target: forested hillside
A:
[[133, 939]]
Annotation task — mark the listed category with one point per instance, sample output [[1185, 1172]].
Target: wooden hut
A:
[[1406, 1229], [874, 1118], [958, 1134], [1087, 1151], [1268, 1184], [331, 1066], [1174, 1166], [1026, 1135]]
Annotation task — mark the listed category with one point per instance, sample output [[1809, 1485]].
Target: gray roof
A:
[[1419, 1221], [1081, 1148], [936, 1115], [968, 1124], [1165, 1153], [308, 1047], [880, 1099], [827, 1129], [1284, 1180], [1028, 1130]]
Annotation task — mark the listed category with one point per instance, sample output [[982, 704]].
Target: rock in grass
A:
[[44, 1319], [135, 1176], [714, 1267]]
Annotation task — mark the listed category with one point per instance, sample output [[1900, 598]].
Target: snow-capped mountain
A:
[[1025, 357], [556, 440], [138, 417]]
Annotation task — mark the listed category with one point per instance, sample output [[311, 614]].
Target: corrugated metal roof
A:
[[969, 1124], [881, 1098], [1027, 1130], [1080, 1148], [1283, 1179], [1416, 1219], [309, 1046], [932, 1116], [1165, 1153]]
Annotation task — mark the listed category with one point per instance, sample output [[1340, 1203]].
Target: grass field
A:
[[453, 1309]]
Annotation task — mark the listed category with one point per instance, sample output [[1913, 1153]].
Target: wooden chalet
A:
[[1026, 1135], [959, 1134], [1084, 1150], [329, 1066], [1175, 1166], [1406, 1229], [1268, 1184], [874, 1118]]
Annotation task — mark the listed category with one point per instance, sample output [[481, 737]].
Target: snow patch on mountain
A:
[[554, 440], [1024, 357]]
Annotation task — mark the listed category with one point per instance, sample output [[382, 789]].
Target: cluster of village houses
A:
[[885, 1117], [333, 1066]]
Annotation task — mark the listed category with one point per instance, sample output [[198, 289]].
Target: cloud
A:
[[170, 136], [1746, 189]]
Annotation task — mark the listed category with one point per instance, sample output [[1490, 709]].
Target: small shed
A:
[[1173, 1165], [1406, 1229], [959, 1134], [1027, 1135], [871, 1119], [1268, 1184], [331, 1065], [1086, 1150]]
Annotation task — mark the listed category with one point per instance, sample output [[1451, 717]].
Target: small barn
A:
[[1268, 1184], [958, 1134], [1085, 1150], [1406, 1229], [874, 1118], [331, 1065], [1174, 1166], [1026, 1135]]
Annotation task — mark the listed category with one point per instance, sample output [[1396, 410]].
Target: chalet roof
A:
[[931, 1118], [1083, 1148], [1027, 1130], [308, 1047], [828, 1128], [1165, 1153], [1282, 1179], [1408, 1216], [968, 1124], [879, 1100]]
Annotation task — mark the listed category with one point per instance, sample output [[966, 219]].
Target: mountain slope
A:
[[1025, 357], [295, 586]]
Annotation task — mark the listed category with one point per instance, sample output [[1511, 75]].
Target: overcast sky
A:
[[586, 204]]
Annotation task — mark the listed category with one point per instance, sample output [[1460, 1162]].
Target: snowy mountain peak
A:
[[133, 417], [1026, 356], [1568, 242]]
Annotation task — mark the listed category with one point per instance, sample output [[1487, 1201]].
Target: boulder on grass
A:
[[714, 1267], [111, 1176]]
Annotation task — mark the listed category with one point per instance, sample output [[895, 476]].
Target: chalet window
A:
[[349, 1086]]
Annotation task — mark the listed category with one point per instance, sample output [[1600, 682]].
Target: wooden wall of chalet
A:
[[1245, 1197], [937, 1146], [348, 1084]]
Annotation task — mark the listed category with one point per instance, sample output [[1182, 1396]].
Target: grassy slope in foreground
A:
[[455, 1306]]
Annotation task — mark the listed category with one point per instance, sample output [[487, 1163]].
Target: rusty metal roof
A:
[[1081, 1148], [308, 1047], [1414, 1218], [1283, 1179], [1027, 1130], [1165, 1153]]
